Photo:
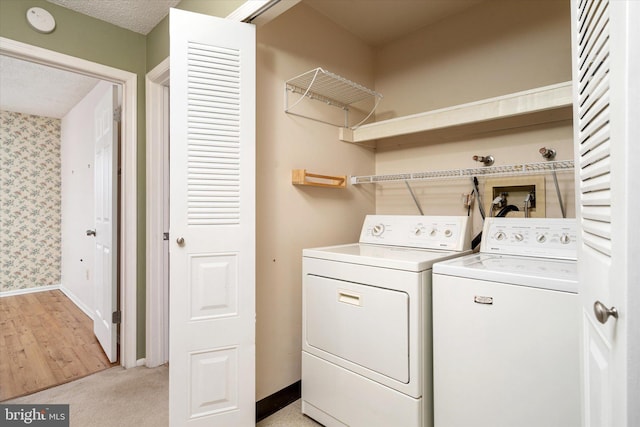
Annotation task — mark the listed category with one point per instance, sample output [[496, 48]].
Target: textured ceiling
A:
[[29, 88], [140, 16]]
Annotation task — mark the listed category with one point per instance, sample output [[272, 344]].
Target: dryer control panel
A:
[[452, 233], [537, 237]]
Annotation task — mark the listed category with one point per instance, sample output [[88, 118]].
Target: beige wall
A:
[[291, 218], [492, 49], [495, 48]]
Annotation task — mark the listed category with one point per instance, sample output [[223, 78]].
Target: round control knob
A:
[[447, 233], [417, 231], [519, 237], [434, 232], [541, 238], [565, 239], [500, 235], [377, 229]]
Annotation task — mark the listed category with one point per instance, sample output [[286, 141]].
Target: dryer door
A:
[[365, 325]]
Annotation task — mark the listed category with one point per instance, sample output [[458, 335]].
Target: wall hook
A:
[[487, 160], [548, 153]]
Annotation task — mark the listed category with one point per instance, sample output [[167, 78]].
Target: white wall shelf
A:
[[331, 89], [507, 170], [544, 99]]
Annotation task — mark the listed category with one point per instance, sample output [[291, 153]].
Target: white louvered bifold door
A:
[[607, 208], [593, 130], [212, 221]]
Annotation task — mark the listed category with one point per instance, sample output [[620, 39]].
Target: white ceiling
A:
[[35, 89], [140, 16], [29, 88]]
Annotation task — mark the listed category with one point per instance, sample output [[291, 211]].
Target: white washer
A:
[[506, 328], [366, 334]]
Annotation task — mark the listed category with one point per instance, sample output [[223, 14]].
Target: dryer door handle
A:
[[349, 297]]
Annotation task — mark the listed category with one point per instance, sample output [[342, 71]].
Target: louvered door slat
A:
[[596, 242], [599, 183], [596, 113], [213, 132], [595, 64], [591, 25], [593, 126], [596, 148], [599, 84], [596, 213]]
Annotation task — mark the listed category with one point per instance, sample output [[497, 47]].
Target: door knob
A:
[[91, 233], [603, 313], [180, 241]]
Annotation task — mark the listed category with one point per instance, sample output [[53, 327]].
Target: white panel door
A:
[[212, 221], [106, 217], [606, 73]]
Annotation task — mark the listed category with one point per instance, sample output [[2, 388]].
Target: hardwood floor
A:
[[45, 340]]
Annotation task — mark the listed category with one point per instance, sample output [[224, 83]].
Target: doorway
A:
[[128, 211], [53, 285]]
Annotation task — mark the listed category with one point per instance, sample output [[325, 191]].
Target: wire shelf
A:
[[330, 88], [509, 170]]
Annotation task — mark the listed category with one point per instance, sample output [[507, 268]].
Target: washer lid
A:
[[394, 257], [558, 275]]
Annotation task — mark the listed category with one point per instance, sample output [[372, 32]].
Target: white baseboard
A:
[[29, 290], [141, 362], [77, 301]]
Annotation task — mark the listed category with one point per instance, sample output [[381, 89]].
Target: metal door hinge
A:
[[116, 317], [117, 114], [165, 236]]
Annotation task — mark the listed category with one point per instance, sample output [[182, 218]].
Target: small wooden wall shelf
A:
[[302, 177]]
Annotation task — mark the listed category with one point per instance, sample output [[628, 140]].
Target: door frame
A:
[[128, 210], [157, 319]]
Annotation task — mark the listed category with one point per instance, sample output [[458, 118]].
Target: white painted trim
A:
[[15, 292], [141, 362], [128, 209], [259, 12], [77, 301], [157, 332]]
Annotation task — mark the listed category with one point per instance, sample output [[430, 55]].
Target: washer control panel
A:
[[538, 237], [425, 232]]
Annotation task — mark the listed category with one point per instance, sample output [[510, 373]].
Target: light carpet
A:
[[136, 397]]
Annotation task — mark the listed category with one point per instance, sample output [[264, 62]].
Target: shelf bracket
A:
[[415, 199]]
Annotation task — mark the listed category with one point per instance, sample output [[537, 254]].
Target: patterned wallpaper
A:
[[30, 200]]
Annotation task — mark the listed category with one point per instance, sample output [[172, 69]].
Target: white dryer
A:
[[366, 333], [506, 329]]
